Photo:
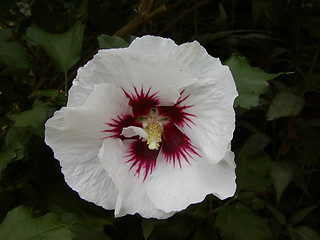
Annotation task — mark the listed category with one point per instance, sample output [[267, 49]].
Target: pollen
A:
[[154, 129]]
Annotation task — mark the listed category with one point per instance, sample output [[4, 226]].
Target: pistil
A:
[[154, 129]]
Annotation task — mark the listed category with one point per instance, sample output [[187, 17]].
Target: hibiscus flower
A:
[[147, 129]]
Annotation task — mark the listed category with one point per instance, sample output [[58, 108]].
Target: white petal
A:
[[134, 131], [174, 188], [95, 71], [78, 156], [211, 97], [132, 190], [157, 45], [78, 95], [191, 54], [105, 103], [75, 135], [214, 121], [129, 68]]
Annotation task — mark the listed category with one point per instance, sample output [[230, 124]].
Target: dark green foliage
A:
[[272, 48], [251, 81], [285, 104], [106, 41], [14, 54], [19, 224], [64, 49], [239, 222], [252, 173]]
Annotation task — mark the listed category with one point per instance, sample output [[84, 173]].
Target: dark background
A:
[[276, 140]]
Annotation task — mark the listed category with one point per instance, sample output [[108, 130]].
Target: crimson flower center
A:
[[154, 129]]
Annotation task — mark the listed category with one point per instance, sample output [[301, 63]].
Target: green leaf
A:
[[148, 226], [247, 100], [5, 158], [13, 149], [306, 233], [251, 81], [5, 34], [239, 222], [19, 224], [14, 55], [63, 49], [35, 118], [200, 210], [106, 42], [252, 173], [88, 232], [61, 199], [285, 104], [55, 95], [293, 233], [45, 93], [256, 143], [281, 175], [15, 138], [280, 217], [179, 227], [204, 232], [299, 216], [255, 202]]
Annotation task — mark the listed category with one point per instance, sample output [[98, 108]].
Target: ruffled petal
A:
[[76, 133], [214, 122], [190, 54], [104, 104], [212, 100], [132, 196], [133, 70], [209, 100], [157, 45], [78, 95], [78, 156], [174, 188]]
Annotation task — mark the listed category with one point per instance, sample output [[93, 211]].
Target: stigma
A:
[[154, 129]]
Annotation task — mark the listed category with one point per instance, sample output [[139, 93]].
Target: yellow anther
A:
[[154, 129]]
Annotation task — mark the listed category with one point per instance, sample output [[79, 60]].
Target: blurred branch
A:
[[146, 5], [183, 14], [140, 19]]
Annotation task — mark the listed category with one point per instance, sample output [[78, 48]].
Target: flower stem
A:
[[65, 81], [314, 62]]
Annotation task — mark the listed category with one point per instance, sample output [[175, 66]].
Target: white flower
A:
[[147, 128]]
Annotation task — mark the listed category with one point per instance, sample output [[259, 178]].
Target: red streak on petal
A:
[[176, 146], [118, 124], [142, 157], [177, 113], [142, 102]]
